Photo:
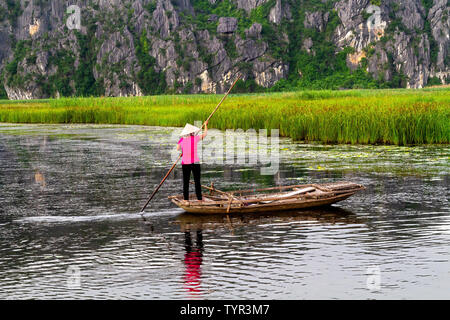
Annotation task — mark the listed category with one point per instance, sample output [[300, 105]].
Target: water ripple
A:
[[72, 203]]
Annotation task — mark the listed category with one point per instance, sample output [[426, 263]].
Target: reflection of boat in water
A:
[[269, 199], [189, 221], [194, 225]]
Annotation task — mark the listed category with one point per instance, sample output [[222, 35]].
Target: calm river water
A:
[[69, 228]]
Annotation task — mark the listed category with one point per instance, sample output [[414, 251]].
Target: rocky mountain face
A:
[[141, 47]]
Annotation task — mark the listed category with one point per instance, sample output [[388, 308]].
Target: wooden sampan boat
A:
[[268, 199]]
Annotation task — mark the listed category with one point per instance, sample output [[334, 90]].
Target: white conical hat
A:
[[188, 129]]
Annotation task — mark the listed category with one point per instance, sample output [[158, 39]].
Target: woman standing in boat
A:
[[189, 160]]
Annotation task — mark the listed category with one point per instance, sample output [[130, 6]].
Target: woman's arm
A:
[[206, 131]]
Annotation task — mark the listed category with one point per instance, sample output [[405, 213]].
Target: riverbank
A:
[[397, 117]]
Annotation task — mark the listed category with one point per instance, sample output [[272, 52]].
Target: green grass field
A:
[[398, 117]]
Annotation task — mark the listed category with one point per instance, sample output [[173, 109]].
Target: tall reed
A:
[[357, 116]]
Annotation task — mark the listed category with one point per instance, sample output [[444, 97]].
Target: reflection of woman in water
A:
[[193, 262]]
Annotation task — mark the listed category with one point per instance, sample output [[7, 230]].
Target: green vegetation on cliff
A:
[[150, 47]]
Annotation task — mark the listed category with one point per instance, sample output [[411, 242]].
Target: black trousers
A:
[[195, 168]]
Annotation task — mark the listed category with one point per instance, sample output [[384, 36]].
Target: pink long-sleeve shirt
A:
[[189, 149]]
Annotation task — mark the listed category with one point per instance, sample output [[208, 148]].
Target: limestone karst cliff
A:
[[140, 47]]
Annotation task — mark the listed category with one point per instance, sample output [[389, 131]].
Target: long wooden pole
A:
[[178, 159], [159, 186]]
